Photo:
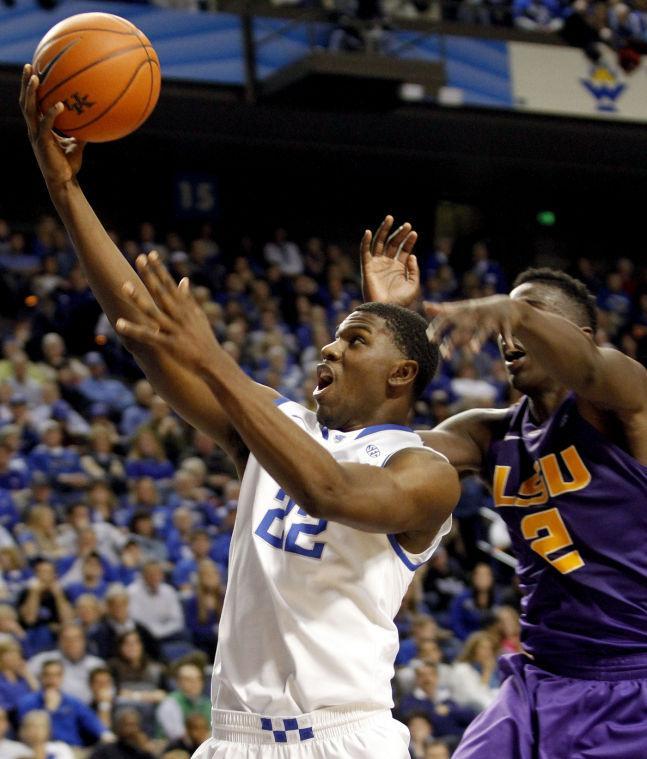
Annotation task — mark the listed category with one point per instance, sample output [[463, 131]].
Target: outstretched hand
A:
[[390, 271], [482, 317], [172, 320], [59, 158]]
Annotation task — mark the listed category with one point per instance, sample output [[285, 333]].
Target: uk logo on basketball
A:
[[78, 103]]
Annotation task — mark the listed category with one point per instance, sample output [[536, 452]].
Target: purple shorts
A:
[[540, 715]]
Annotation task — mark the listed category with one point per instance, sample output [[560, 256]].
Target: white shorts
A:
[[335, 733]]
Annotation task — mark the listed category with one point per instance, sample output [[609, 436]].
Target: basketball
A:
[[103, 69]]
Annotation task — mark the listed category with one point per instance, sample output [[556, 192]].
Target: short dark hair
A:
[[51, 663], [98, 671], [577, 292], [409, 332]]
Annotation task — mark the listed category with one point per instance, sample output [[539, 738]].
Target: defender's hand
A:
[[173, 320], [390, 271], [59, 158], [482, 316]]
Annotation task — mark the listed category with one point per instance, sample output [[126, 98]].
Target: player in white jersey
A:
[[336, 509]]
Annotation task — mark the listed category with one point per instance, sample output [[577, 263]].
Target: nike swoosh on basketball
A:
[[42, 75]]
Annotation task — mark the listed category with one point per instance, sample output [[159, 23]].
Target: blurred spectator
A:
[[147, 457], [99, 388], [43, 606], [187, 699], [139, 412], [197, 729], [73, 656], [156, 605], [443, 581], [73, 722], [132, 742], [116, 623], [202, 610], [437, 750], [448, 720], [36, 734], [475, 679], [10, 749], [139, 679], [62, 465], [104, 695], [284, 254], [93, 580], [473, 609], [421, 733], [101, 462], [16, 680]]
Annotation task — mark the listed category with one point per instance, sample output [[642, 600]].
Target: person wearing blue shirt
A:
[[62, 465], [15, 679], [447, 718], [185, 571], [100, 388], [14, 473], [473, 609], [93, 579], [73, 722]]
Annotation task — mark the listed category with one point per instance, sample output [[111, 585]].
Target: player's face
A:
[[528, 376], [352, 379]]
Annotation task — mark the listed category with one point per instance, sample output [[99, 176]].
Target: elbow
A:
[[321, 500]]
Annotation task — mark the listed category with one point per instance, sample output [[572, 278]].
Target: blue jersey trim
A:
[[281, 400], [401, 554], [380, 427]]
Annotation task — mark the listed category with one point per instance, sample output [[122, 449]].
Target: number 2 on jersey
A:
[[275, 517], [556, 538]]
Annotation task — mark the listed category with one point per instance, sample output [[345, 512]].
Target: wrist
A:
[[217, 368]]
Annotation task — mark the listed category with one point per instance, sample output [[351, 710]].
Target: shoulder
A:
[[477, 419]]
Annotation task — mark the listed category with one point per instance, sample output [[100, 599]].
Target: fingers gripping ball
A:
[[105, 72]]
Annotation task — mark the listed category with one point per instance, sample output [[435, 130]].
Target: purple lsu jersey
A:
[[576, 508]]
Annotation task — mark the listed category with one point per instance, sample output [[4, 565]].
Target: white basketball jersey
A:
[[308, 615]]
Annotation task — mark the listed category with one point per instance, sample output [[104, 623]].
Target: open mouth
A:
[[514, 359], [325, 378]]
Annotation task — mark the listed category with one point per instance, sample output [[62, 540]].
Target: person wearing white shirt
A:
[[35, 732], [474, 681], [155, 604], [10, 749], [77, 663], [284, 254]]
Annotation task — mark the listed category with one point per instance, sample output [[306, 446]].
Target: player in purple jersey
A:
[[568, 469]]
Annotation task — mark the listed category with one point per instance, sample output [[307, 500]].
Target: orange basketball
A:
[[105, 72]]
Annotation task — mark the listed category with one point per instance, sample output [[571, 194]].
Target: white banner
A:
[[561, 80]]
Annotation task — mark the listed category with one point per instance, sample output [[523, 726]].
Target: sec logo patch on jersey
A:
[[373, 451]]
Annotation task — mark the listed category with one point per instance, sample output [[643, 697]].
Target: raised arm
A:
[[605, 377], [107, 270], [390, 271], [412, 495]]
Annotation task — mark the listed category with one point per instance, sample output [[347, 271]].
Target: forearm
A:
[[304, 468], [557, 343], [29, 610], [63, 608], [103, 263]]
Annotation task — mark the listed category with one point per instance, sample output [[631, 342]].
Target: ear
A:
[[402, 376]]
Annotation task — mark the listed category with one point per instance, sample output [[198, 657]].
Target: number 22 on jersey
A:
[[271, 529]]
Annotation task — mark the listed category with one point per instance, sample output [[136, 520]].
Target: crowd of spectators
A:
[[116, 517]]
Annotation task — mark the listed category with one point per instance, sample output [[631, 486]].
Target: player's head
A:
[[379, 363], [556, 292]]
